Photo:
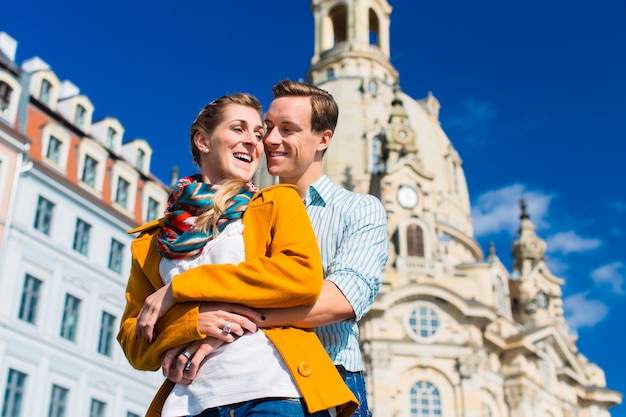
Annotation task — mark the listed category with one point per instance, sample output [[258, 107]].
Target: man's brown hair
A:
[[325, 111]]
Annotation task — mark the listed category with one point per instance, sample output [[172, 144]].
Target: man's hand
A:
[[214, 317], [155, 307]]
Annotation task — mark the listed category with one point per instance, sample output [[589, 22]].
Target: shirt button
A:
[[304, 369]]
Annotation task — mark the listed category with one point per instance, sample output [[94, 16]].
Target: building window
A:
[[414, 240], [330, 74], [44, 91], [13, 394], [121, 196], [81, 236], [115, 256], [153, 207], [30, 299], [107, 331], [5, 96], [69, 323], [111, 133], [43, 217], [97, 408], [423, 322], [54, 149], [141, 156], [58, 401], [374, 28], [79, 117], [89, 171], [500, 296], [425, 400]]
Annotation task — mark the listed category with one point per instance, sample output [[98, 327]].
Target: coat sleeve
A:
[[178, 326], [283, 266]]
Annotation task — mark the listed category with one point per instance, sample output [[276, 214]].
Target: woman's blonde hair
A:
[[228, 189], [211, 116]]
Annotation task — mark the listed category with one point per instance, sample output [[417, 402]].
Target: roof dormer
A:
[[44, 85], [109, 131], [75, 107], [10, 91], [138, 153]]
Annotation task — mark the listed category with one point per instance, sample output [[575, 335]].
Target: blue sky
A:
[[533, 97]]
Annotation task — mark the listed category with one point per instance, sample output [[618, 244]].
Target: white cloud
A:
[[611, 275], [499, 210], [568, 242], [581, 311]]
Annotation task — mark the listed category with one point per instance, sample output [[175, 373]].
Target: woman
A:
[[262, 238]]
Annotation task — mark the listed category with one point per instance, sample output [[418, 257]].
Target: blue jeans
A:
[[264, 407], [356, 383]]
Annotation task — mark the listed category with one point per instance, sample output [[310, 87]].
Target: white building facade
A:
[[65, 256]]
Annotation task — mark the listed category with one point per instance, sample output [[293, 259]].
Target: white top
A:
[[246, 369]]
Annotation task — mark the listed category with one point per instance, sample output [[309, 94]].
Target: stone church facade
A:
[[452, 332]]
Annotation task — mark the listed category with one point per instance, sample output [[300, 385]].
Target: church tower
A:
[[451, 333]]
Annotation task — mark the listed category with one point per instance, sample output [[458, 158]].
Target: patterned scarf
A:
[[179, 237]]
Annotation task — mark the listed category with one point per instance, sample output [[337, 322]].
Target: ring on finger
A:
[[188, 365], [227, 328], [186, 354]]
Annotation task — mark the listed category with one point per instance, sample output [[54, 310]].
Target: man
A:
[[351, 232], [350, 228]]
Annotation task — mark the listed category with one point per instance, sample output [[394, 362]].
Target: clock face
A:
[[372, 86], [542, 299], [407, 196], [402, 135]]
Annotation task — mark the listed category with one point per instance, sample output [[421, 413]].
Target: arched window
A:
[[425, 400], [374, 33], [414, 240], [339, 17]]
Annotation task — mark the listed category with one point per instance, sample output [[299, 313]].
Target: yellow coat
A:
[[282, 268]]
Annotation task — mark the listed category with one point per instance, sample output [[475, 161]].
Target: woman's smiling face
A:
[[234, 148]]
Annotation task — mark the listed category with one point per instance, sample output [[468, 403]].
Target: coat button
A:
[[304, 369]]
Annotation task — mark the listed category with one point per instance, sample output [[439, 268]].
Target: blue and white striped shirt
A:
[[351, 231]]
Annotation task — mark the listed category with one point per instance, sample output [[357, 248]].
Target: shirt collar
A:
[[319, 192]]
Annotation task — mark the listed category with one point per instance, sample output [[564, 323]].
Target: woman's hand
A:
[[155, 307], [181, 364]]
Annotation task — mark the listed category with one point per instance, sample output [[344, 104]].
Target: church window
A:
[[423, 322], [424, 400], [378, 158], [330, 74], [374, 33], [455, 177], [339, 17], [415, 240], [500, 295]]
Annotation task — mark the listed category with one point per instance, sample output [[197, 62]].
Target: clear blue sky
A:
[[533, 97]]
